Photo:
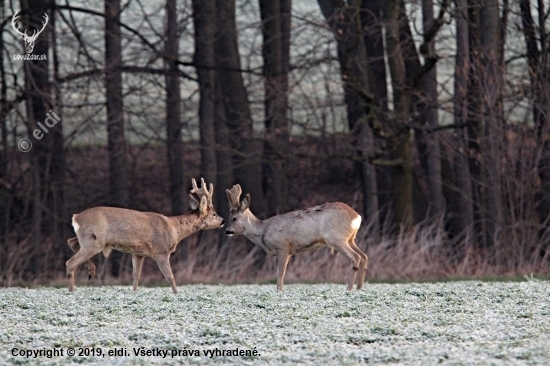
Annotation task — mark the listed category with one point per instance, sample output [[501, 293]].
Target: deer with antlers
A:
[[29, 40], [142, 234], [332, 224]]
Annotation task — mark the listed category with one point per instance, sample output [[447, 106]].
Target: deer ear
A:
[[203, 206], [245, 203], [228, 195], [193, 203]]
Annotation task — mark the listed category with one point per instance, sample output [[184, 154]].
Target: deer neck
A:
[[187, 224], [254, 228]]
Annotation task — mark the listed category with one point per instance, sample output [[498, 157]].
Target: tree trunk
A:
[[4, 189], [492, 90], [368, 177], [3, 102], [476, 130], [204, 18], [373, 37], [116, 142], [47, 156], [46, 168], [225, 178], [174, 144], [422, 85], [539, 72], [247, 168], [399, 144], [276, 105], [118, 170], [58, 183], [361, 104], [462, 169], [431, 120]]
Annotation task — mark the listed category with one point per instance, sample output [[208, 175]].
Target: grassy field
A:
[[455, 323]]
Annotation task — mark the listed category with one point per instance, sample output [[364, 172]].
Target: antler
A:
[[15, 26], [35, 33], [234, 195], [203, 191]]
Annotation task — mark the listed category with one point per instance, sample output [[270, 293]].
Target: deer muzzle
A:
[[229, 233]]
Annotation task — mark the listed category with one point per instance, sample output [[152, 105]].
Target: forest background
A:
[[430, 118]]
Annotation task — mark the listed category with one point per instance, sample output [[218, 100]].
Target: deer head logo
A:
[[29, 41]]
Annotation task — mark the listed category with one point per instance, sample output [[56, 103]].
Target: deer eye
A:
[[234, 219]]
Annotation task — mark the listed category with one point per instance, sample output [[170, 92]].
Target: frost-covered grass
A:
[[451, 323]]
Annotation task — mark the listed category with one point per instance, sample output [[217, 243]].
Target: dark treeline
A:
[[429, 118]]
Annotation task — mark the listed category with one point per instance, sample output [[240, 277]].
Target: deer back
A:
[[319, 223], [119, 225]]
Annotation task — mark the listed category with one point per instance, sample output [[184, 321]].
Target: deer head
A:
[[238, 214], [29, 40], [205, 205]]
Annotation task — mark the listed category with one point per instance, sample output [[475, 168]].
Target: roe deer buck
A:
[[332, 224], [143, 234]]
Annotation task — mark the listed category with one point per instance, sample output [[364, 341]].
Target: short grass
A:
[[454, 323]]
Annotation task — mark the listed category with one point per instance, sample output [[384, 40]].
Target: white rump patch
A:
[[75, 225], [107, 251], [356, 223]]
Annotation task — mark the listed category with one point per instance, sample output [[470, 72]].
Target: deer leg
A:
[[72, 264], [137, 263], [362, 265], [75, 246], [91, 269], [353, 256], [282, 262], [164, 265]]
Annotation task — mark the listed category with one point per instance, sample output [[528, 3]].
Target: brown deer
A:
[[332, 224], [142, 234]]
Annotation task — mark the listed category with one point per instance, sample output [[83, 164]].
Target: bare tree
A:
[[419, 91], [116, 142], [275, 70], [431, 156], [372, 17], [118, 170], [399, 146], [361, 104], [539, 73], [47, 157], [204, 18], [225, 175], [462, 168], [247, 169], [3, 101], [476, 130], [492, 92], [173, 111]]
